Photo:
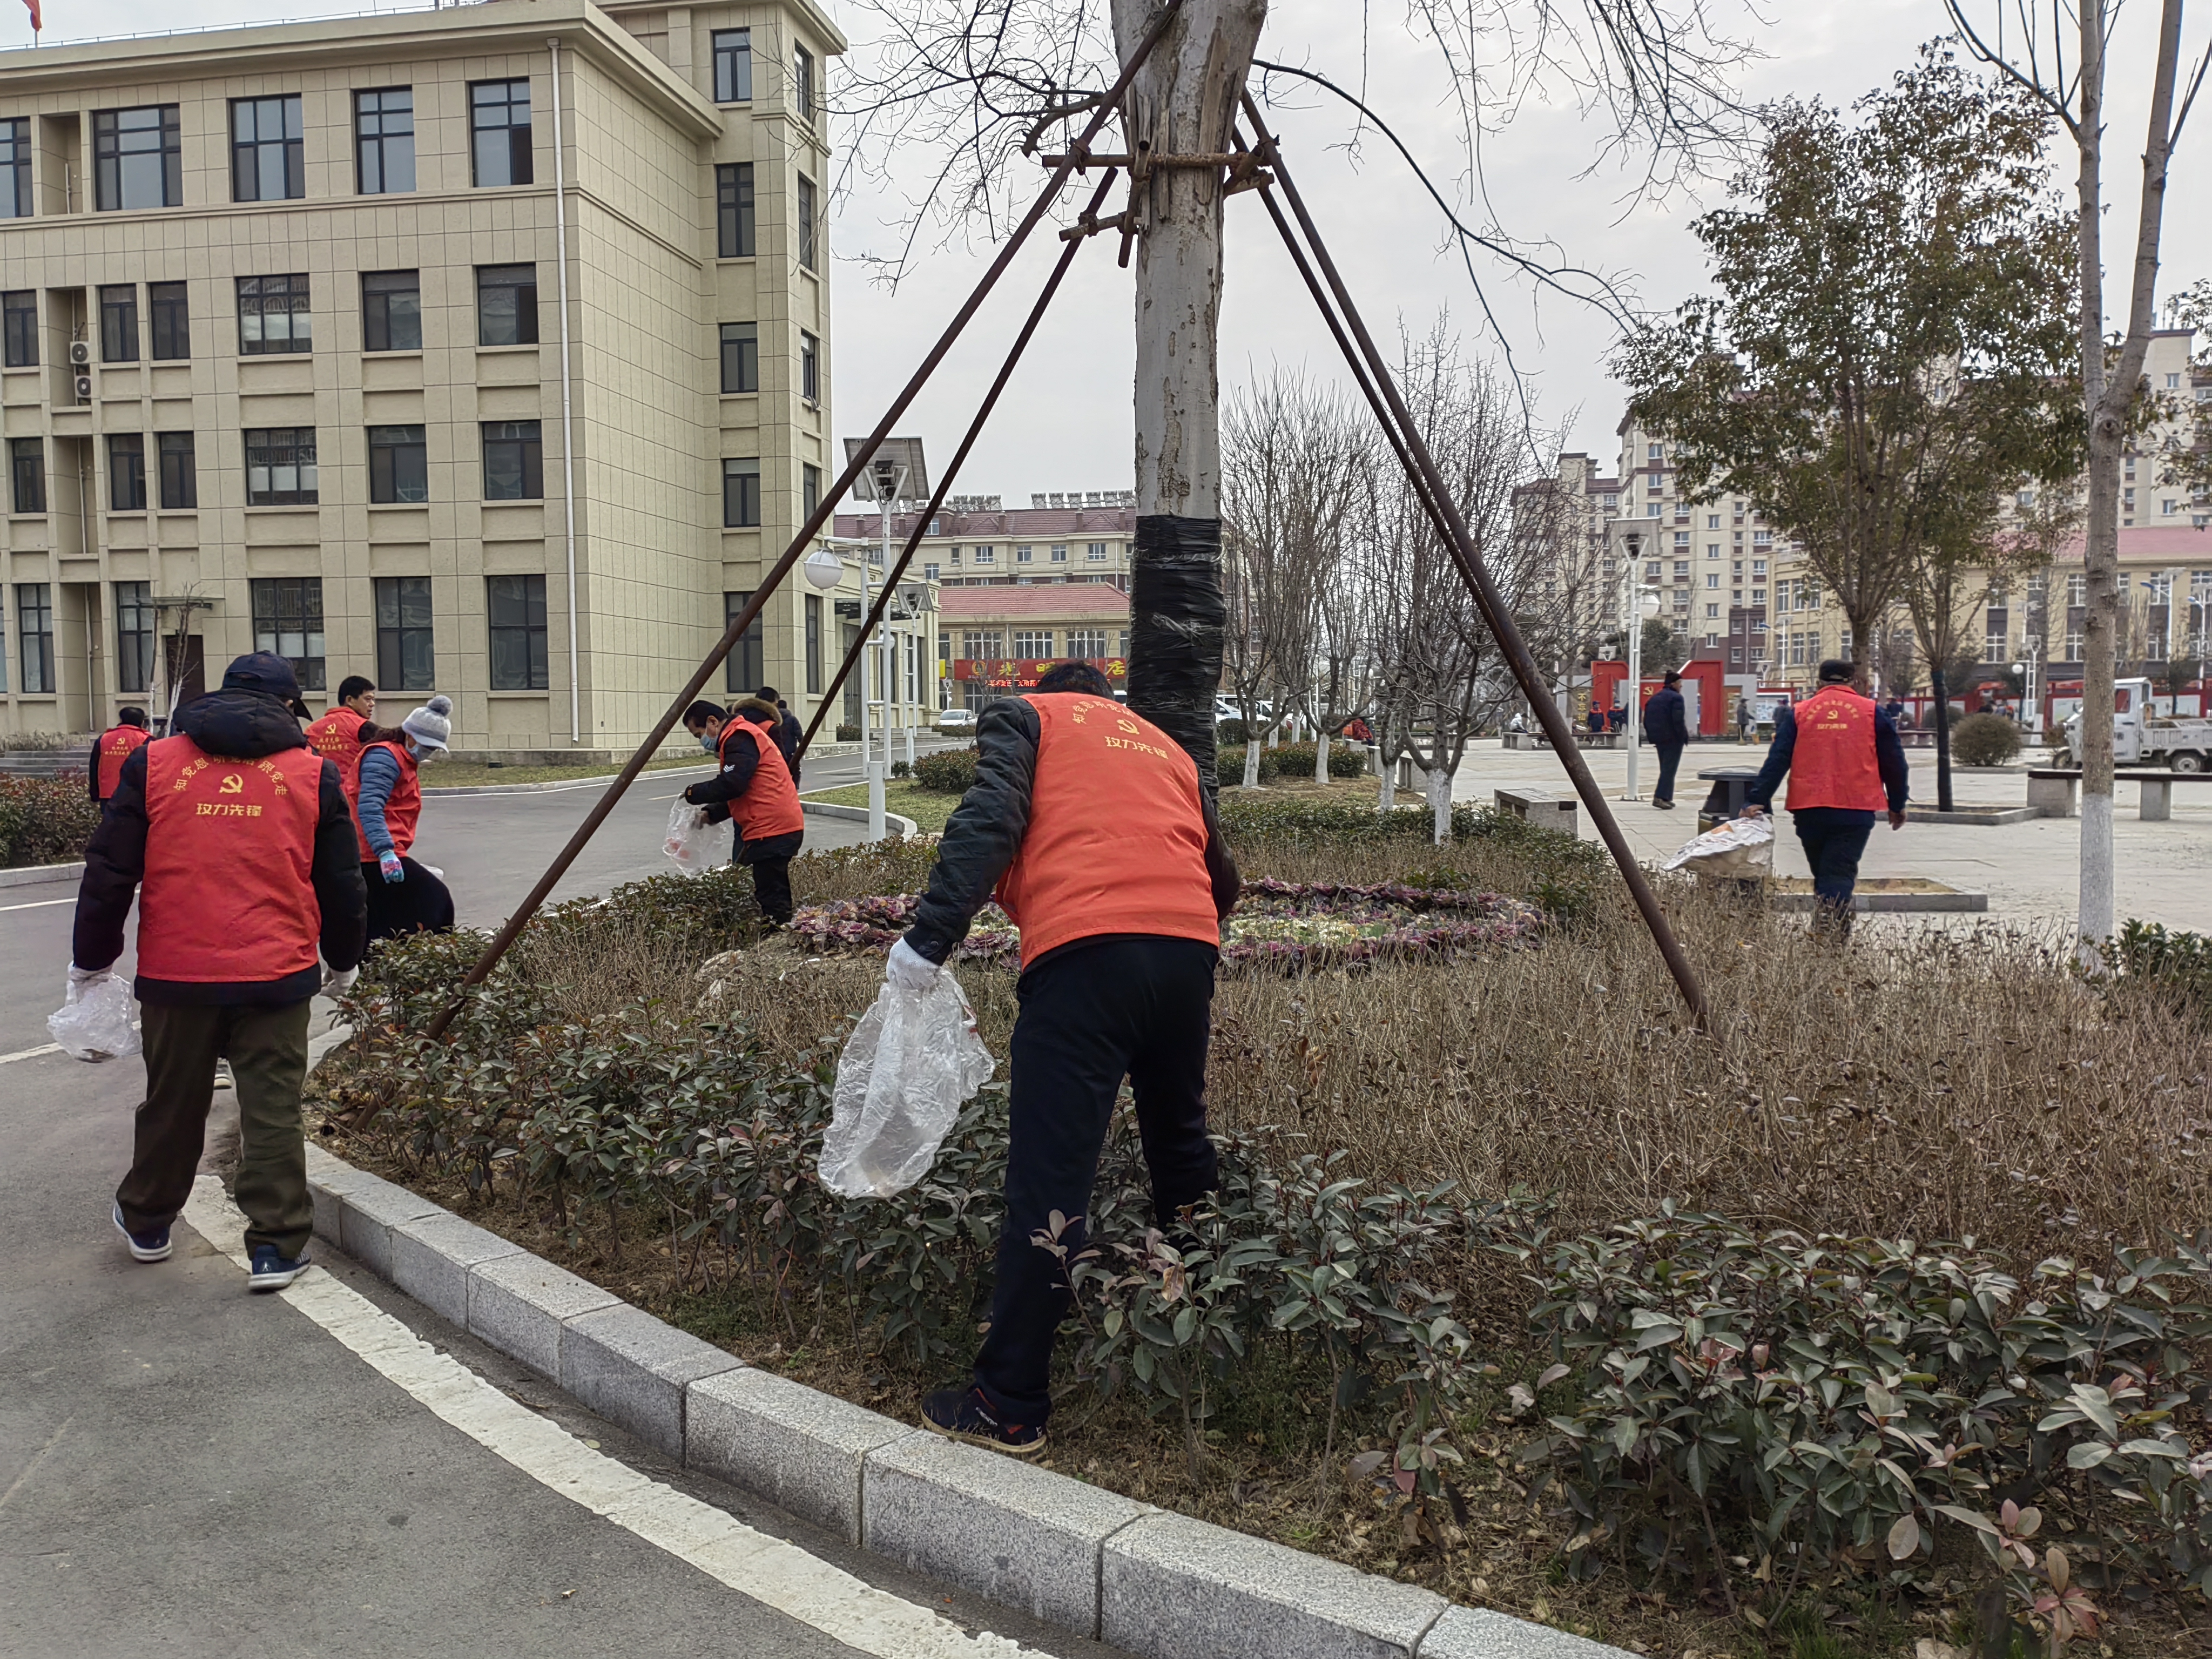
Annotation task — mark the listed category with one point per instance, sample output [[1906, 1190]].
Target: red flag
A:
[[37, 23]]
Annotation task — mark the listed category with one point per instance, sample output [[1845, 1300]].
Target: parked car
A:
[[956, 719]]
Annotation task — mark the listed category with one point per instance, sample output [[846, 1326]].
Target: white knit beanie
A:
[[432, 724]]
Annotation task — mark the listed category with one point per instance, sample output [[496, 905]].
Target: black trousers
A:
[[770, 859], [1670, 757], [421, 902], [1092, 1014], [1834, 839]]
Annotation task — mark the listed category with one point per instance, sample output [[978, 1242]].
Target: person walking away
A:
[[340, 735], [1667, 729], [235, 837], [788, 732], [754, 791], [403, 897], [1089, 825], [117, 744], [1747, 719], [1846, 764]]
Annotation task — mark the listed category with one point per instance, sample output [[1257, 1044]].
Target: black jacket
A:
[[986, 829], [1888, 755], [237, 725], [788, 731], [1666, 718], [739, 760]]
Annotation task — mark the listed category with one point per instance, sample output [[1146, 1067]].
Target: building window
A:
[[384, 141], [119, 323], [929, 573], [980, 646], [16, 168], [516, 611], [740, 357], [1712, 611], [741, 493], [288, 620], [745, 667], [35, 635], [1712, 579], [733, 211], [273, 315], [809, 488], [280, 466], [404, 658], [810, 368], [499, 129], [19, 320], [804, 211], [986, 555], [1060, 554], [26, 473], [1086, 642], [172, 319], [514, 461], [138, 161], [507, 305], [1024, 555], [127, 472], [1096, 553], [1033, 642], [267, 155], [814, 644], [399, 465], [180, 487], [733, 66], [134, 623], [392, 311], [802, 83]]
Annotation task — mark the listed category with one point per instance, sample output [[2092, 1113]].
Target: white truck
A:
[[2143, 738]]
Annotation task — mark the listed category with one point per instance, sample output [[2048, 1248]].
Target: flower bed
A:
[[1292, 925]]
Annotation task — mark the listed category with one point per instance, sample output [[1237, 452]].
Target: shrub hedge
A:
[[45, 820], [1292, 759], [949, 771], [1985, 740]]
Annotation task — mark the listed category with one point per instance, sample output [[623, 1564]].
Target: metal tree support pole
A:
[[743, 620], [945, 479], [1449, 523]]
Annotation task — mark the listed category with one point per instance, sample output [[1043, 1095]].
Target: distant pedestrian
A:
[[1844, 764], [117, 744], [788, 735], [1357, 730], [235, 838], [1746, 721], [404, 897], [754, 790], [340, 735], [1667, 729]]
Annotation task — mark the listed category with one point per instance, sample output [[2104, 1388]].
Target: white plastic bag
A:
[[1742, 849], [908, 1066], [695, 845], [96, 1022]]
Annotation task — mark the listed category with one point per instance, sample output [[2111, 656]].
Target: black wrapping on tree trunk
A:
[[1175, 621]]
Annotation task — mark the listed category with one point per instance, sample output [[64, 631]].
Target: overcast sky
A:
[[1065, 422]]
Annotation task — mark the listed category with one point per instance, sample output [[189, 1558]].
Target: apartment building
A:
[[482, 350], [977, 541], [995, 641], [1568, 566]]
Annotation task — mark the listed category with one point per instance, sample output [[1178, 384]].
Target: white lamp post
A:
[[1637, 604], [896, 472]]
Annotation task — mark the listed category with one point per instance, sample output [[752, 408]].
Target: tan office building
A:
[[483, 351]]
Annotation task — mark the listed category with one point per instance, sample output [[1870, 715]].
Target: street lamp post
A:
[[1638, 603], [897, 473]]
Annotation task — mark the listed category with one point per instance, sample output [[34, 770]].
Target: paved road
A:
[[186, 1466]]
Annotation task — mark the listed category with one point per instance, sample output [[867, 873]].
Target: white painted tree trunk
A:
[[1251, 757], [1321, 755], [1389, 795], [1440, 788]]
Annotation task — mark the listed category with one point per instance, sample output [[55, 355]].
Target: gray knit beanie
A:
[[432, 725]]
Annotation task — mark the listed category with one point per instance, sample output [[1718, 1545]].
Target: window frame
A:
[[34, 645], [289, 144], [532, 632], [814, 643], [33, 450], [737, 215], [809, 488], [746, 666], [736, 47], [374, 315], [169, 316], [311, 666], [118, 322], [518, 160], [388, 458], [810, 368], [521, 320], [299, 450], [299, 323], [133, 646], [395, 638], [109, 156], [15, 198], [737, 470], [19, 328], [127, 472], [529, 463], [386, 143], [180, 482], [803, 210], [802, 83], [743, 340]]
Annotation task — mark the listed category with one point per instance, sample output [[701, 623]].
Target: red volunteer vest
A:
[[769, 807], [229, 895], [401, 808], [1834, 763], [1116, 841], [117, 744], [336, 739]]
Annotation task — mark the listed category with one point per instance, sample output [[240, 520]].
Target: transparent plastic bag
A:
[[1742, 849], [910, 1064], [96, 1022], [695, 845]]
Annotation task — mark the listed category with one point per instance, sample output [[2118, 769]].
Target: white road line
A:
[[31, 1053], [39, 904], [759, 1565]]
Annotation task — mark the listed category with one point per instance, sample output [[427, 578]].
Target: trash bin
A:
[[1726, 799]]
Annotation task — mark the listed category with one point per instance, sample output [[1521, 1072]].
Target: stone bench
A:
[[1549, 810], [2053, 790]]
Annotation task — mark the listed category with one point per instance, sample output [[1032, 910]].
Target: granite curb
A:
[[30, 875], [897, 822], [1153, 1583]]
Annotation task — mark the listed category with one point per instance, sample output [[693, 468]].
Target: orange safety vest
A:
[[336, 739], [401, 808], [1117, 838], [1834, 763], [117, 744], [769, 807], [229, 895]]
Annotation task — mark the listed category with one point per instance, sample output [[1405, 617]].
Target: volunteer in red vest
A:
[[403, 897], [1845, 765], [117, 744], [1090, 826], [339, 735], [754, 791], [236, 836]]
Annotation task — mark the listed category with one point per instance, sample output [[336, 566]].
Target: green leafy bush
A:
[[1291, 760], [1985, 740], [45, 820], [949, 771], [2175, 964], [847, 733], [1229, 734]]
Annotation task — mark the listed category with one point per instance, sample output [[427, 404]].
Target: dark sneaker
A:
[[151, 1245], [271, 1272], [965, 1414], [1663, 806]]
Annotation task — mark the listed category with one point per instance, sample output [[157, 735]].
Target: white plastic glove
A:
[[909, 970], [337, 981], [84, 976]]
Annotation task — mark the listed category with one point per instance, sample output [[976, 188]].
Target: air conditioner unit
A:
[[80, 353], [84, 388]]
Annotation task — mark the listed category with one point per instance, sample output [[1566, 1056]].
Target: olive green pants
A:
[[267, 1048]]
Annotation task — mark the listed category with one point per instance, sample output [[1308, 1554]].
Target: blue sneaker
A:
[[271, 1272], [965, 1414], [151, 1245]]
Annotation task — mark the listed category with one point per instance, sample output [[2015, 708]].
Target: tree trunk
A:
[[1321, 753], [1439, 784], [1182, 102], [1938, 683], [1389, 796]]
